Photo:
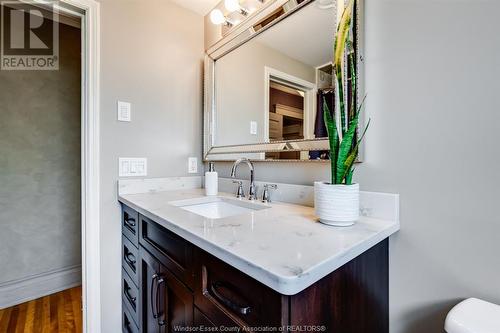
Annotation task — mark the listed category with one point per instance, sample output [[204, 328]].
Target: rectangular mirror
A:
[[266, 91]]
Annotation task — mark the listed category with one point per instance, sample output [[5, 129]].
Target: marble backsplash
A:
[[372, 204]]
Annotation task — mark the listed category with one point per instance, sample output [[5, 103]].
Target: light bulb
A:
[[232, 5], [217, 17]]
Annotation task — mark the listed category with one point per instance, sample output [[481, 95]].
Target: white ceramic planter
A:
[[336, 205]]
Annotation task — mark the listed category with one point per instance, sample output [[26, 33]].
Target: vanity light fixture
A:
[[234, 5], [217, 16]]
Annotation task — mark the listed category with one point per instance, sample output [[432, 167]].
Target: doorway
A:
[[286, 117], [51, 146], [289, 111]]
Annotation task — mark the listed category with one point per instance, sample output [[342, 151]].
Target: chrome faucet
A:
[[251, 195], [266, 197]]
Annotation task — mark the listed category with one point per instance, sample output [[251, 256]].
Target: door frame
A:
[[91, 249], [89, 12]]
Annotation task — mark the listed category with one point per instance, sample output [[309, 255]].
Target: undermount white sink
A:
[[218, 207]]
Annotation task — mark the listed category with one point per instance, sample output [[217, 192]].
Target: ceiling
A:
[[306, 36], [201, 7]]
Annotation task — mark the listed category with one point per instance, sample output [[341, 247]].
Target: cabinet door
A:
[[166, 303], [176, 312], [150, 281], [199, 320]]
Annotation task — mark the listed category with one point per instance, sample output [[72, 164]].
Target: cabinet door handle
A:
[[130, 298], [244, 310], [152, 294], [160, 312], [130, 222]]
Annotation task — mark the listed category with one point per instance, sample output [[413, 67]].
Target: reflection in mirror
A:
[[269, 88], [286, 116], [286, 112], [274, 86]]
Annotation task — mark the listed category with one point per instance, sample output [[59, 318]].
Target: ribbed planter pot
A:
[[336, 205]]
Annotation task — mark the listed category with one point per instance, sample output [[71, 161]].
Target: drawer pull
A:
[[130, 259], [128, 325], [244, 310], [129, 297], [130, 223]]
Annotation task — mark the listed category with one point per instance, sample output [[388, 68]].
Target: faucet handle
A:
[[266, 197], [240, 193]]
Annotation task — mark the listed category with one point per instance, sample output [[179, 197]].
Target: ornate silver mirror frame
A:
[[241, 34]]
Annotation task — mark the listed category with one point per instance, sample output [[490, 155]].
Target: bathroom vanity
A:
[[191, 261], [253, 266]]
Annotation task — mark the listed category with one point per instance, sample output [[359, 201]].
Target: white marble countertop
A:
[[283, 247]]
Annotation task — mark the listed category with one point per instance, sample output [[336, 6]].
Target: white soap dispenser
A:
[[211, 180]]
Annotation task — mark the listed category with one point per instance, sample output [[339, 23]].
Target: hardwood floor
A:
[[56, 313]]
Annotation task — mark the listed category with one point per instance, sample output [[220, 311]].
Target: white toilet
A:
[[473, 316]]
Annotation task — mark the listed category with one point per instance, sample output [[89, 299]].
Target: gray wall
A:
[[432, 70], [40, 166], [151, 56]]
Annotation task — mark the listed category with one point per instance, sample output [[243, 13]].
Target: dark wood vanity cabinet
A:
[[169, 284], [175, 253], [230, 298], [166, 302]]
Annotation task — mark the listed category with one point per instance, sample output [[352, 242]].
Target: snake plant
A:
[[342, 126]]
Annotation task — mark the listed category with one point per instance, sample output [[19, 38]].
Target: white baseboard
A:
[[33, 287]]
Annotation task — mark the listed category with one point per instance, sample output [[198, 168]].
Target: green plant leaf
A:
[[341, 39], [345, 150], [349, 162], [348, 177], [340, 92], [343, 125], [333, 138], [352, 107], [346, 146], [342, 35]]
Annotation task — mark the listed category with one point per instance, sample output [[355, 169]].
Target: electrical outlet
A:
[[124, 110], [253, 127], [133, 167], [193, 165]]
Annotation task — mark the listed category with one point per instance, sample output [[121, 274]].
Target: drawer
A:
[[130, 256], [130, 296], [130, 224], [229, 297], [172, 251], [128, 324]]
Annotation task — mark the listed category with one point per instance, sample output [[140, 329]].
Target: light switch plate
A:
[[253, 127], [124, 111], [192, 165], [133, 167]]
